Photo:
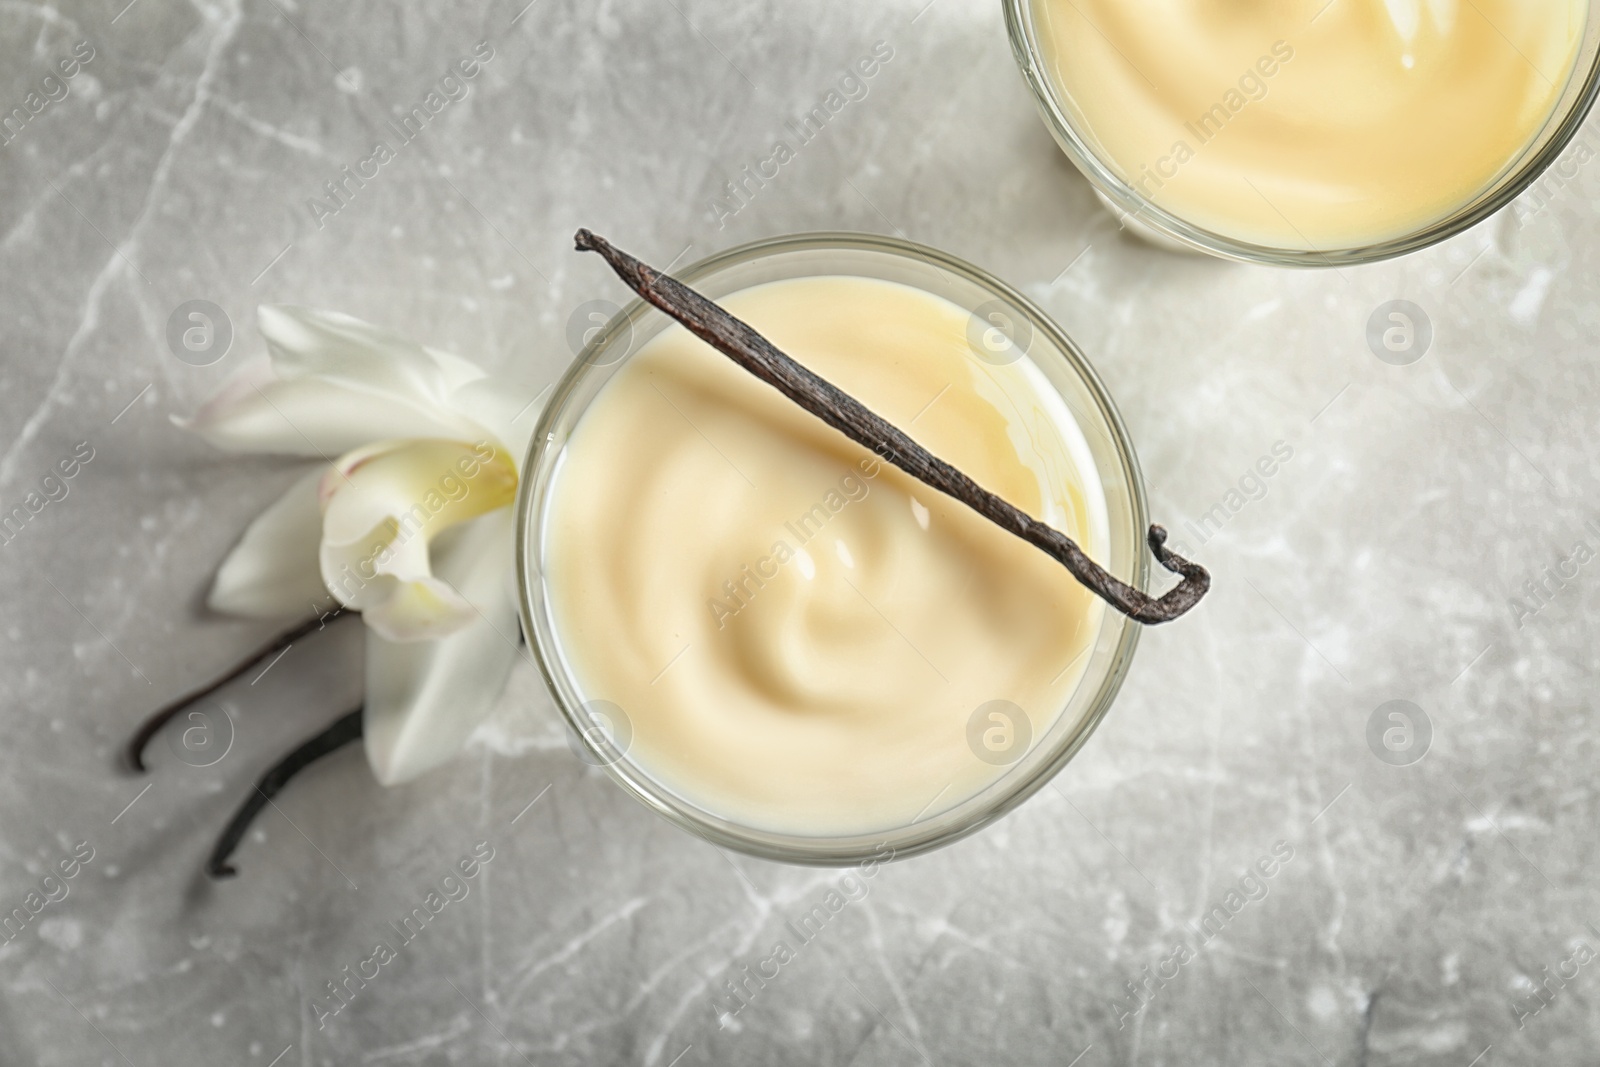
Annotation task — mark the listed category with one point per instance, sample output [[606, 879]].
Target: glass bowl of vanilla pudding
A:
[[1308, 132], [783, 644]]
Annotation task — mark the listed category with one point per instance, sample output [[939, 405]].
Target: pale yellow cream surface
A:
[[1310, 124], [798, 634]]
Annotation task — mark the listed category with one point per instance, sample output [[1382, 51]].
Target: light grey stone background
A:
[[1422, 903]]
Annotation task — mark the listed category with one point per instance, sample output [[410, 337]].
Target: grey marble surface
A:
[[1421, 905]]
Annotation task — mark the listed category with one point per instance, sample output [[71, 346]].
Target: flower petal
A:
[[418, 611], [314, 416], [423, 700], [509, 410], [427, 485], [383, 507], [457, 371], [273, 572], [332, 383], [343, 349]]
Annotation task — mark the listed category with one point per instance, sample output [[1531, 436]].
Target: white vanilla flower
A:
[[406, 520]]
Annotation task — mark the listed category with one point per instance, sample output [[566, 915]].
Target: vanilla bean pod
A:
[[742, 344], [134, 752], [345, 729]]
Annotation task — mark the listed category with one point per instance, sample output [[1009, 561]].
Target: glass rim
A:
[[1550, 142], [814, 850]]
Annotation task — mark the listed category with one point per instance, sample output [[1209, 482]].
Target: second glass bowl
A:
[[1138, 211]]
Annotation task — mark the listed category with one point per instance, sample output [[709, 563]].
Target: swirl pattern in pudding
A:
[[799, 634]]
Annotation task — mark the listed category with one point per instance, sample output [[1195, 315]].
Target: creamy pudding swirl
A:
[[1310, 124], [799, 634]]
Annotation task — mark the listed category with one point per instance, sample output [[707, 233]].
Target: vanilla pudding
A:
[[800, 636], [1308, 124]]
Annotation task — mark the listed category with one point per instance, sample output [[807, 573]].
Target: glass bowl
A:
[[1167, 228], [605, 743]]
